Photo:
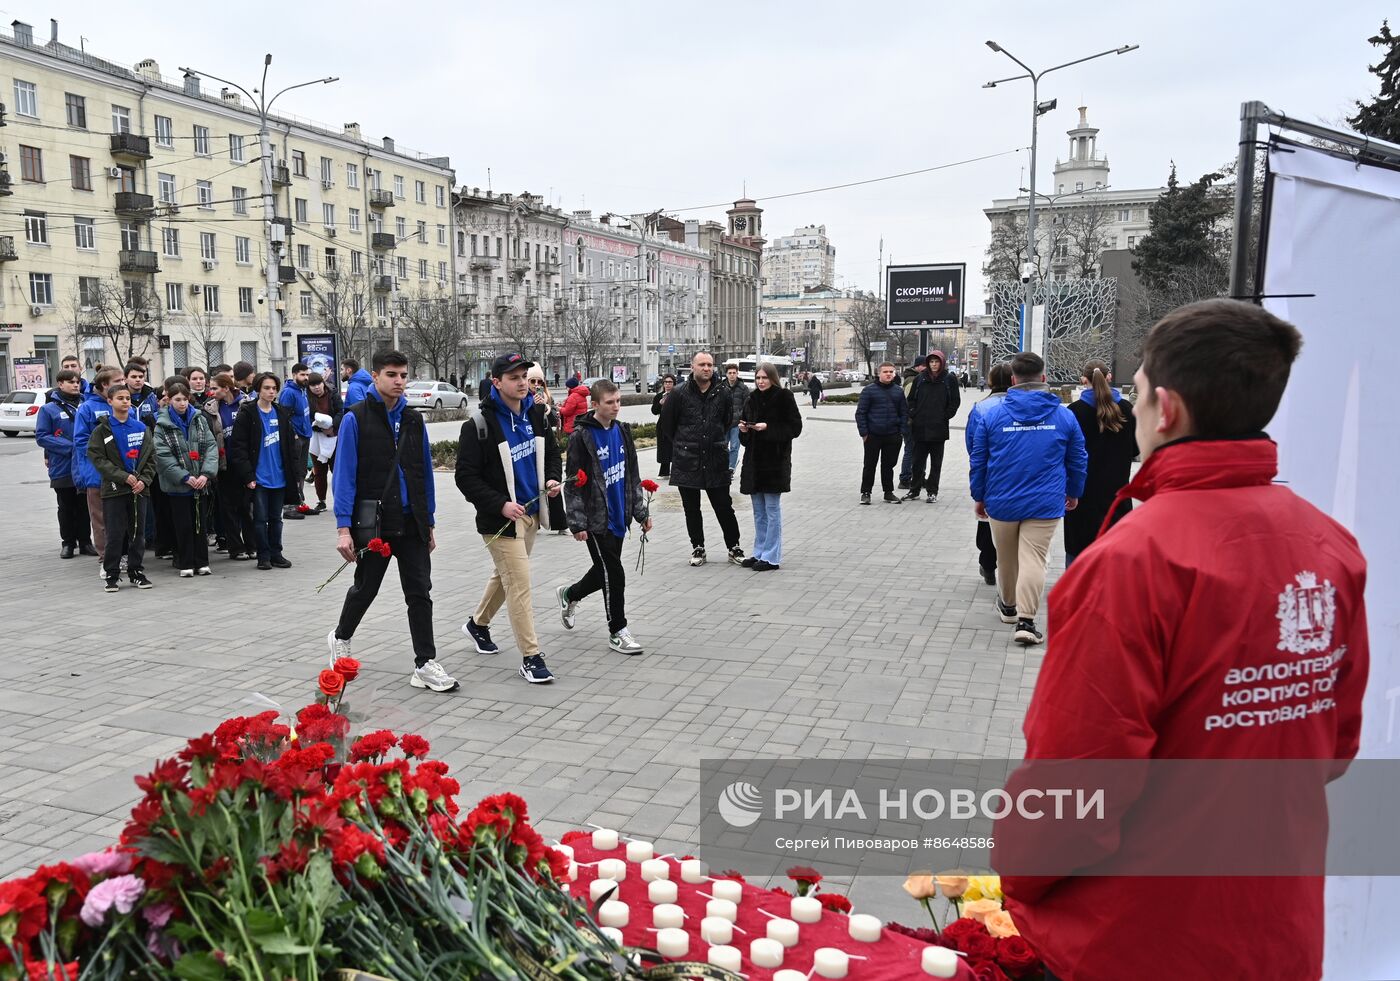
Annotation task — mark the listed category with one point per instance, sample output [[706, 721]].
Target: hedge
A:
[[445, 450]]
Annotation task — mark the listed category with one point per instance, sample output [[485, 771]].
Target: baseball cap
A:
[[508, 362]]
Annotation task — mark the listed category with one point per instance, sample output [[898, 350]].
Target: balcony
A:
[[483, 262], [286, 274], [381, 199], [281, 176], [129, 204], [382, 241], [547, 267], [129, 146], [502, 303], [132, 261], [518, 267], [7, 248], [5, 181], [383, 284]]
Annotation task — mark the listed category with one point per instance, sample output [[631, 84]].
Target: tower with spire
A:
[[1085, 170]]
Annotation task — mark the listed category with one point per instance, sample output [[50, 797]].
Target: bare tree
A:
[[589, 332], [866, 318], [1085, 228], [203, 332], [125, 313], [430, 329], [346, 307], [903, 346], [1006, 253]]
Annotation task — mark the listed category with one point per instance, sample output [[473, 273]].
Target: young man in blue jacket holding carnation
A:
[[53, 430]]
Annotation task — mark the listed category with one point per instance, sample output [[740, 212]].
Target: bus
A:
[[746, 368]]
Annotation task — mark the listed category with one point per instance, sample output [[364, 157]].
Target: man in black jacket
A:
[[507, 464], [696, 419], [933, 400]]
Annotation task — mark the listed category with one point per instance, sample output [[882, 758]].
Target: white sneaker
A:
[[433, 677], [204, 570], [624, 643], [339, 648], [566, 607], [697, 557], [186, 573]]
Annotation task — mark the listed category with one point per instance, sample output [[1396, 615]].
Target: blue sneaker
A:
[[481, 637], [533, 670]]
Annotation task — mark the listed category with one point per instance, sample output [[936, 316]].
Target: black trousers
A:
[[416, 578], [126, 532], [301, 453], [884, 449], [608, 575], [928, 452], [191, 545], [235, 514], [74, 526], [986, 548], [722, 505], [164, 539]]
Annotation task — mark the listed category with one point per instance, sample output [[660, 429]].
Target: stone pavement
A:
[[876, 639]]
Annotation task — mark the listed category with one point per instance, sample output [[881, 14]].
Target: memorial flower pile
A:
[[983, 930]]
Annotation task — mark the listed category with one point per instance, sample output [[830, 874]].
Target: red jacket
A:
[[574, 406], [1154, 633]]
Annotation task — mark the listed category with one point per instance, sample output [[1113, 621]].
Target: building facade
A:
[[795, 263], [812, 329], [510, 282], [736, 255], [138, 223]]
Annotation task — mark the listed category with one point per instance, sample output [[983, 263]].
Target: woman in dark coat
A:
[[769, 424], [261, 454], [1110, 437], [663, 441]]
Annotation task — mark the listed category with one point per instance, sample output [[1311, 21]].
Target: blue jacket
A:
[[294, 398], [882, 410], [347, 466], [53, 430], [977, 415], [358, 386], [1027, 456], [93, 409]]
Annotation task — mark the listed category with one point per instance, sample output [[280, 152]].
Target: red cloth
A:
[[574, 406], [1144, 631], [892, 957]]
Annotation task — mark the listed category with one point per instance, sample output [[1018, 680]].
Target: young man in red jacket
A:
[[1159, 635]]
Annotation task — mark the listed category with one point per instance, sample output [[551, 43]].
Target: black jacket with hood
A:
[[697, 424], [587, 506], [933, 400], [485, 475]]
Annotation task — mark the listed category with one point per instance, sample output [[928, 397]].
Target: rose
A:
[[1016, 956], [331, 683], [920, 885], [989, 971], [983, 887], [999, 924], [347, 667], [978, 947], [980, 909], [952, 886], [958, 932]]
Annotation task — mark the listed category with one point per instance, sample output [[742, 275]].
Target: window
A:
[[299, 209], [1132, 241], [80, 170], [131, 236], [1079, 185], [180, 354], [165, 131], [76, 108], [240, 200], [298, 163], [242, 249], [165, 188], [134, 294], [213, 352], [400, 228], [204, 194], [26, 99], [84, 233], [330, 260], [304, 256], [1125, 214], [422, 268], [423, 233], [326, 165], [357, 263], [420, 192], [201, 140], [89, 289], [376, 180], [398, 187], [31, 164], [41, 288], [441, 193], [235, 148], [401, 266], [473, 245], [442, 272], [245, 299], [328, 215], [174, 298], [248, 351], [170, 241], [211, 299], [354, 219], [306, 308], [121, 119], [352, 175], [442, 235], [36, 228], [207, 247]]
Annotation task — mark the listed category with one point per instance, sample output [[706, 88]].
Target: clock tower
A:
[[746, 222]]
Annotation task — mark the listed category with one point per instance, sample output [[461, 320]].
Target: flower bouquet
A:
[[579, 479], [982, 930]]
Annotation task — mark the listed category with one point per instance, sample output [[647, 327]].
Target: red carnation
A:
[[20, 900], [580, 479], [46, 971], [194, 454], [804, 875], [132, 454], [414, 745], [834, 901], [347, 667], [572, 836], [730, 874], [330, 683], [650, 486], [1016, 957], [374, 745]]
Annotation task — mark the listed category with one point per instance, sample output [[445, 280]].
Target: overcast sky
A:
[[631, 106]]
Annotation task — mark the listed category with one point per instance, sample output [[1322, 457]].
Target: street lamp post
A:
[[1038, 109], [258, 98]]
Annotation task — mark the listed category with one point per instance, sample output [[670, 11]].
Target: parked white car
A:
[[19, 412], [430, 394]]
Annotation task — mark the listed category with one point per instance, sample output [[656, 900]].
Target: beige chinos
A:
[[1022, 548]]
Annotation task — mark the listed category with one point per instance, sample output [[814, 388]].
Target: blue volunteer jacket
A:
[[1027, 456], [92, 409], [358, 386], [294, 398], [53, 430]]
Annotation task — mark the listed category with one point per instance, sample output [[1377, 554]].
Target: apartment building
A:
[[134, 221], [793, 264]]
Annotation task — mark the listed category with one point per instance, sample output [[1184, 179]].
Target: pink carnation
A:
[[121, 892], [108, 862], [159, 914]]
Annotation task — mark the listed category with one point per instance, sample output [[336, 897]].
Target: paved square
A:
[[876, 639]]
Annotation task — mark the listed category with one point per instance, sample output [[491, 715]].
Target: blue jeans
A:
[[267, 522], [734, 448], [906, 463], [768, 527]]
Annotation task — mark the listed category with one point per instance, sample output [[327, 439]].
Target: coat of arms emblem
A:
[[1306, 611]]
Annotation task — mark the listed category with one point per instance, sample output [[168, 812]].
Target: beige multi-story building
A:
[[812, 329], [136, 224], [736, 252], [793, 264]]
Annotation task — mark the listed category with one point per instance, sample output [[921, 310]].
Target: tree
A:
[[1006, 253], [1084, 228], [202, 333], [430, 329], [1381, 116], [1185, 237], [346, 308], [123, 312], [588, 331], [866, 318]]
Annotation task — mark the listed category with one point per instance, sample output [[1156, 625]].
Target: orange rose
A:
[[952, 886], [920, 885], [999, 925], [980, 909]]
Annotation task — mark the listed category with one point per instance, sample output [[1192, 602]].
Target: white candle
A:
[[672, 942], [568, 851], [722, 955], [783, 931], [940, 962], [605, 839], [865, 927], [612, 934], [830, 962], [727, 889], [616, 869], [662, 891], [655, 868], [723, 909], [667, 915], [766, 953], [572, 874], [804, 909], [598, 887], [787, 975], [693, 870], [639, 851], [614, 914], [716, 930]]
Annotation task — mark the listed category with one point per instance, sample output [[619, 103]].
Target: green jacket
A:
[[104, 454], [173, 449]]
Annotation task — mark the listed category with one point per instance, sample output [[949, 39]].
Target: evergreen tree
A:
[[1185, 237], [1381, 117]]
